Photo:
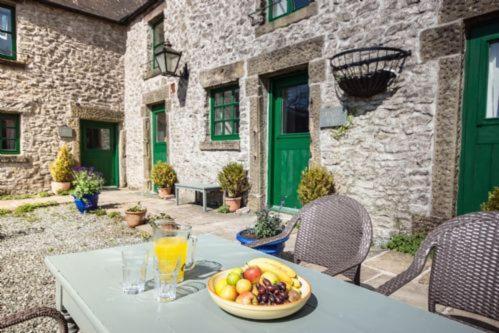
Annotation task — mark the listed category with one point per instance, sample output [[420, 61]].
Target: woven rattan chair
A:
[[335, 232], [23, 316], [465, 267]]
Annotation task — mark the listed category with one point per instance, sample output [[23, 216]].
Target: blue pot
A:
[[88, 202], [275, 248]]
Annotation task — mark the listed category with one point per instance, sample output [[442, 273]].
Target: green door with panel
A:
[[480, 143], [158, 135], [289, 139], [99, 149]]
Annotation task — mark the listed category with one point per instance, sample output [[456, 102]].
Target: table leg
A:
[[58, 295], [176, 194], [204, 200]]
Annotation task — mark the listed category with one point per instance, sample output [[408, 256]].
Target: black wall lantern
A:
[[167, 59], [366, 72]]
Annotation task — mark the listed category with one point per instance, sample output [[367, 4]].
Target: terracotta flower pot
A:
[[165, 192], [60, 186], [134, 219], [233, 203]]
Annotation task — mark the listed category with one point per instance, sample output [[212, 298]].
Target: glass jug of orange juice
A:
[[171, 241]]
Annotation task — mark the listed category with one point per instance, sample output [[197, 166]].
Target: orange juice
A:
[[170, 248]]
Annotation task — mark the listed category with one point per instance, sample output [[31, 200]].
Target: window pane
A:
[[228, 97], [219, 128], [8, 145], [161, 127], [295, 109], [228, 112], [301, 3], [236, 111], [98, 138], [218, 113], [159, 33], [279, 7], [228, 127], [10, 133], [9, 123], [493, 82], [6, 44], [5, 19], [236, 95], [219, 98], [236, 127]]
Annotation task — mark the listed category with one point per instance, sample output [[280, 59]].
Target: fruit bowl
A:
[[259, 312]]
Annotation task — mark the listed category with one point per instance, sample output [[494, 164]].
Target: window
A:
[[493, 82], [279, 8], [7, 33], [98, 138], [224, 105], [158, 39], [9, 134]]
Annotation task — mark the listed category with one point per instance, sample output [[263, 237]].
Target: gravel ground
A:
[[25, 241]]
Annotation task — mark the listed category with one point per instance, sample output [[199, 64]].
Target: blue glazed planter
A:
[[274, 248], [88, 202]]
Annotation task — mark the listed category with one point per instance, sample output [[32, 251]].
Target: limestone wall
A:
[[66, 60]]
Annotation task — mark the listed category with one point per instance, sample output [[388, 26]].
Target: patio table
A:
[[88, 286], [204, 189]]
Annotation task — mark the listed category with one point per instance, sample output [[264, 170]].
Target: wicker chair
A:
[[465, 268], [23, 316], [335, 232]]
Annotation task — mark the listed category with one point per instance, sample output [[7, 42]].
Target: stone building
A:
[[254, 90]]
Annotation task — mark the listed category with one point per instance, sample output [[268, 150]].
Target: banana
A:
[[289, 272], [268, 267], [296, 283]]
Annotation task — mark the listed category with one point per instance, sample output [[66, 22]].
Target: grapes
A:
[[269, 294]]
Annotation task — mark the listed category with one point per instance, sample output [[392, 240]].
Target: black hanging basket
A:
[[366, 72]]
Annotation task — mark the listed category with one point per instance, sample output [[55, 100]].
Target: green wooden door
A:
[[480, 144], [99, 149], [289, 139], [158, 133]]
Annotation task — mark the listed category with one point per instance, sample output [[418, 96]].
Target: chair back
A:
[[334, 231], [465, 268]]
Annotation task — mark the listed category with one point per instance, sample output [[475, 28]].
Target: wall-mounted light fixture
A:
[[167, 59]]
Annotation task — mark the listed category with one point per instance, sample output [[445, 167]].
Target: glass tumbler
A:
[[165, 278], [134, 265]]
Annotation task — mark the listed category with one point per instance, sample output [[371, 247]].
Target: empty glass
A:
[[134, 265], [165, 278]]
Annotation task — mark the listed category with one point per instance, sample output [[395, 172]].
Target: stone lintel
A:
[[156, 96], [303, 13], [286, 58], [451, 10], [442, 41], [97, 113], [222, 75], [208, 145]]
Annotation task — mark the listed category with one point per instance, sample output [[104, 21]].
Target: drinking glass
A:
[[134, 265], [165, 278]]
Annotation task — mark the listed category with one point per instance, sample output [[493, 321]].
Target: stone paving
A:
[[380, 266]]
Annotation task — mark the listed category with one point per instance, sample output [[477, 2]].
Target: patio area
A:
[[61, 229]]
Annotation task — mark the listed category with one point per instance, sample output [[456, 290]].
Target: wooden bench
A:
[[204, 189]]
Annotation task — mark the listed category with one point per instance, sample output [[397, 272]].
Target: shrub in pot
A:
[[492, 204], [135, 215], [61, 170], [316, 182], [267, 225], [234, 183], [163, 177], [87, 184]]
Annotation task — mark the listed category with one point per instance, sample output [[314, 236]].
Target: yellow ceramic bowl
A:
[[259, 312]]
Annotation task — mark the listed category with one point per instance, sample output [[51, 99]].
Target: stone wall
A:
[[384, 160], [67, 62]]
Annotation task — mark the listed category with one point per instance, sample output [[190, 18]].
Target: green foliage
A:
[[64, 192], [163, 175], [44, 194], [267, 225], [24, 196], [98, 212], [340, 131], [316, 181], [60, 169], [224, 209], [233, 180], [136, 209], [492, 204], [115, 216], [86, 181], [29, 207], [405, 243], [4, 211]]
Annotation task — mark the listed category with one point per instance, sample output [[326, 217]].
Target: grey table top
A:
[[94, 280], [196, 186]]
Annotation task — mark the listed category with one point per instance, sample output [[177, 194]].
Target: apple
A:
[[243, 285], [245, 298], [232, 278], [229, 293], [252, 274]]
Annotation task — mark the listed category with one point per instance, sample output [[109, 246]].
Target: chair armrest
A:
[[23, 316], [284, 234]]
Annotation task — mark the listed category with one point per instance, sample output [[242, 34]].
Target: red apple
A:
[[252, 274]]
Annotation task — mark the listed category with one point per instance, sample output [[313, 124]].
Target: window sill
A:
[[14, 159], [284, 21], [151, 72], [208, 145], [23, 62]]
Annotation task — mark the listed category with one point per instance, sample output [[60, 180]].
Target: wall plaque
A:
[[333, 116], [65, 132]]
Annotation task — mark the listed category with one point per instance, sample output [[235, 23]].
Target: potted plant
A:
[[267, 225], [135, 215], [61, 170], [234, 183], [164, 177], [316, 182], [87, 184], [492, 204]]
